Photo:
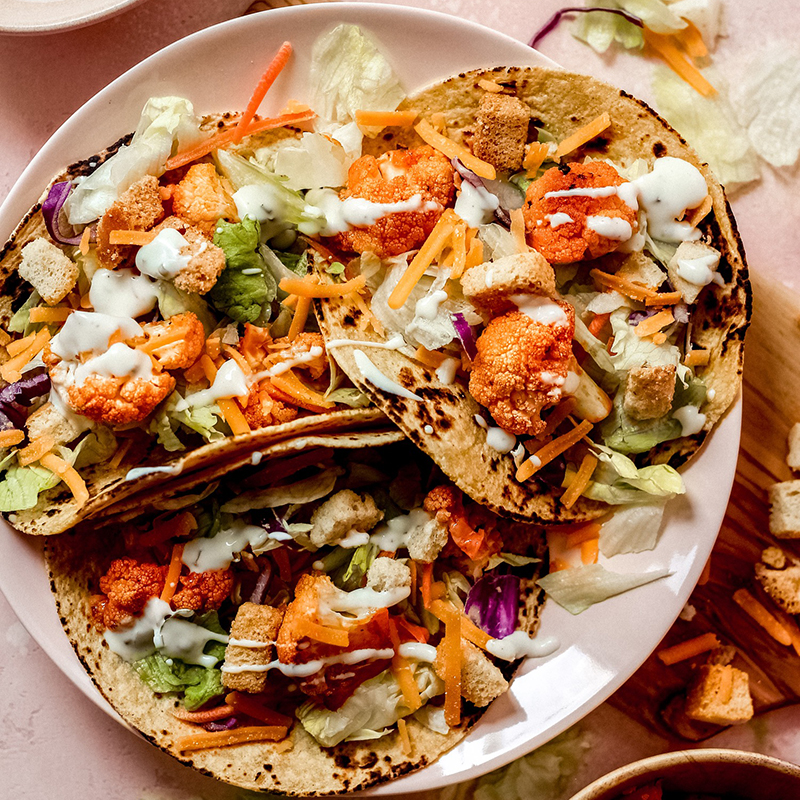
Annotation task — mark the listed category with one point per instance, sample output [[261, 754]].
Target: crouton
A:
[[48, 420], [674, 717], [720, 694], [782, 585], [253, 623], [784, 510], [425, 542], [342, 514], [774, 557], [491, 285], [48, 269], [691, 260], [642, 269], [136, 209], [793, 459], [649, 391], [722, 655], [387, 573], [481, 680], [501, 130]]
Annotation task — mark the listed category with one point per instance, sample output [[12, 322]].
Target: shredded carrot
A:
[[688, 649], [599, 321], [787, 622], [69, 475], [490, 86], [412, 565], [692, 41], [580, 534], [307, 287], [209, 367], [422, 260], [257, 710], [581, 480], [139, 238], [236, 356], [337, 637], [651, 325], [697, 358], [701, 211], [452, 667], [10, 371], [253, 733], [552, 449], [173, 573], [427, 581], [475, 254], [301, 395], [659, 338], [195, 373], [226, 137], [402, 731], [469, 630], [557, 416], [45, 314], [163, 340], [83, 247], [751, 606], [459, 244], [233, 416], [664, 46], [300, 317], [385, 119], [430, 358], [632, 289], [119, 454], [452, 149], [290, 301], [583, 135], [367, 317], [35, 450], [282, 560], [11, 437], [535, 155], [403, 672], [201, 717], [664, 299], [267, 79], [518, 230], [20, 345], [590, 550], [173, 528]]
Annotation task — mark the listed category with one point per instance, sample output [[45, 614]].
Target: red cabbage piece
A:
[[221, 725], [493, 604], [259, 590], [51, 210], [554, 21], [635, 317], [465, 335], [14, 397]]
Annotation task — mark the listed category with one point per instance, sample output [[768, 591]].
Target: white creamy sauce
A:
[[571, 383], [179, 638], [393, 535], [446, 371], [311, 667], [625, 191], [372, 374], [118, 361], [259, 201], [540, 309], [255, 644], [614, 228], [216, 552], [691, 420], [255, 458], [428, 429], [711, 394], [552, 378], [122, 292], [417, 651], [520, 645], [361, 602], [77, 421], [395, 343], [141, 472], [135, 641], [162, 258], [353, 539], [672, 187], [698, 271], [90, 332], [285, 364], [496, 437], [428, 307], [230, 381], [559, 218], [475, 205]]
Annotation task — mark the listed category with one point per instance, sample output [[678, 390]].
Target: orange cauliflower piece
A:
[[184, 352], [263, 410], [520, 368], [127, 586], [301, 346], [575, 240], [201, 199], [203, 591], [444, 503], [395, 176]]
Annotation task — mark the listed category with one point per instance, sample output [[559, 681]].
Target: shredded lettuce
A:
[[167, 421], [632, 529], [600, 30], [96, 447], [349, 577], [354, 398], [20, 488], [166, 125], [172, 301], [578, 588], [313, 162], [303, 491], [20, 321]]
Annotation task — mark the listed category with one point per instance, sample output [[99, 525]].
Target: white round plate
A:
[[600, 648], [47, 16]]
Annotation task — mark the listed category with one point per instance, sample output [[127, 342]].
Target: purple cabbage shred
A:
[[51, 211], [465, 335], [221, 725], [259, 590], [16, 396], [493, 604], [554, 21]]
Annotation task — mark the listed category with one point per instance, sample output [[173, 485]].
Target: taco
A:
[[299, 630], [559, 322]]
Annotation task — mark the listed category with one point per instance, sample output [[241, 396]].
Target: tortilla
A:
[[298, 766], [561, 102], [56, 509]]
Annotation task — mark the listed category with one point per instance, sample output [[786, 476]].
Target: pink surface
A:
[[56, 741]]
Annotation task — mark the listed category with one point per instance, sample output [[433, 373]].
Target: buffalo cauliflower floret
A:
[[263, 410], [137, 209], [203, 591], [206, 260], [182, 353], [342, 514], [301, 348], [520, 368], [201, 199], [575, 227], [444, 503], [126, 587], [396, 176]]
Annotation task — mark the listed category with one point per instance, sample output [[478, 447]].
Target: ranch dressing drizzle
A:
[[691, 420], [361, 601], [123, 292], [179, 638], [259, 201], [162, 258], [230, 381], [140, 472], [90, 332], [252, 643], [475, 205], [372, 374], [417, 651], [286, 364], [520, 645], [559, 218], [310, 667], [216, 552], [698, 271], [395, 343], [393, 534], [428, 307], [614, 228], [496, 437], [118, 361], [540, 309], [135, 641]]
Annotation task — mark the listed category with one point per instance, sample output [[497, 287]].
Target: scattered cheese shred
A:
[[452, 149], [551, 450], [696, 358], [45, 314], [688, 649], [535, 155], [469, 630], [632, 289], [583, 135], [11, 437], [308, 287], [233, 416], [139, 238], [430, 358], [402, 730], [581, 480], [518, 230], [69, 475], [10, 371], [386, 119], [590, 550], [299, 319], [83, 246], [35, 450], [490, 86], [403, 672], [250, 733], [300, 394], [337, 637], [452, 666], [663, 299], [119, 454], [651, 325]]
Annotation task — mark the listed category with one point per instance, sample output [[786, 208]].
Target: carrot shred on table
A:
[[518, 230], [267, 79], [254, 708], [427, 582], [385, 119], [11, 437], [535, 155], [450, 148], [688, 649], [767, 621], [666, 48], [692, 41], [45, 314], [299, 318], [580, 482], [35, 450], [337, 637], [583, 135], [201, 717], [173, 572], [139, 238], [552, 449], [590, 550], [205, 741], [786, 620], [308, 287]]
